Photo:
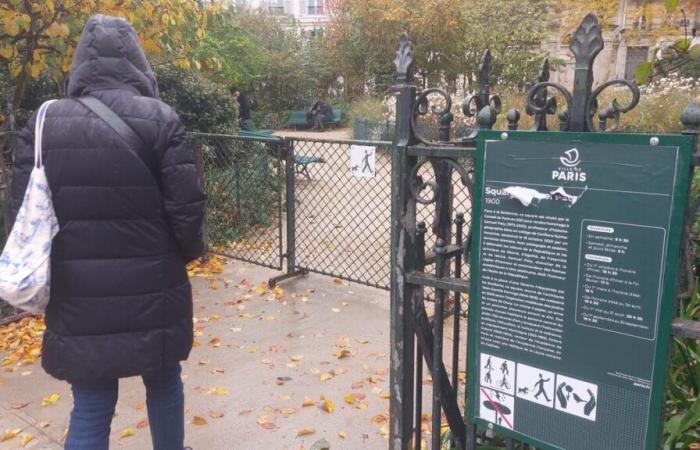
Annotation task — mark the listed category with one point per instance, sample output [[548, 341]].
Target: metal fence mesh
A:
[[244, 182], [343, 221], [366, 130]]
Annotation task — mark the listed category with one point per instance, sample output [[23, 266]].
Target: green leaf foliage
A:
[[202, 104]]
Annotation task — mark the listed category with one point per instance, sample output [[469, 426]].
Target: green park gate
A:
[[436, 256], [297, 204]]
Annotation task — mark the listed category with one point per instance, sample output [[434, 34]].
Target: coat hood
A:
[[109, 56]]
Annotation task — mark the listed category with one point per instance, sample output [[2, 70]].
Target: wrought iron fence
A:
[[244, 181], [431, 236], [366, 130]]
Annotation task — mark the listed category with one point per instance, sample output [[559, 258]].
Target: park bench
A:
[[297, 119], [252, 131], [302, 162]]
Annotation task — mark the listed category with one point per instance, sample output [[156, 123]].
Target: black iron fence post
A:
[[287, 149], [403, 258], [290, 195]]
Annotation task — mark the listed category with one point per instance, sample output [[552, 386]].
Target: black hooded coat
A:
[[121, 301]]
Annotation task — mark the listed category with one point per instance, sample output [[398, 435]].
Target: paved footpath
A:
[[261, 356]]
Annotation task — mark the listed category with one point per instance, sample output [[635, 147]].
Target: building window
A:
[[275, 6], [315, 8], [635, 56]]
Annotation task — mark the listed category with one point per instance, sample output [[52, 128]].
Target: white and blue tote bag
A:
[[25, 261]]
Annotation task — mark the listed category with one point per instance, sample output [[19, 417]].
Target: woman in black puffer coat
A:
[[121, 302]]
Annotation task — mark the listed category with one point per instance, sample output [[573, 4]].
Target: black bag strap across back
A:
[[116, 123]]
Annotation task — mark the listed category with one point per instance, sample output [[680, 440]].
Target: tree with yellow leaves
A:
[[39, 36]]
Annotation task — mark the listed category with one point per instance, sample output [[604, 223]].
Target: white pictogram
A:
[[571, 159]]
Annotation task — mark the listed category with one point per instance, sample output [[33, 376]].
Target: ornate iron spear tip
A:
[[587, 41], [543, 74], [404, 57], [485, 66], [484, 74], [690, 117]]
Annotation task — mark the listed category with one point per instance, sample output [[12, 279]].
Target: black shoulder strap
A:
[[116, 123]]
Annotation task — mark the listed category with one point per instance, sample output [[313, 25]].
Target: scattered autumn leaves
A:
[[22, 339], [22, 342]]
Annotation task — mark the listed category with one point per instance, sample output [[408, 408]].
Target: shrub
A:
[[368, 108], [203, 105]]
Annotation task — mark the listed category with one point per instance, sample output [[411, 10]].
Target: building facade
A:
[[633, 36], [310, 14]]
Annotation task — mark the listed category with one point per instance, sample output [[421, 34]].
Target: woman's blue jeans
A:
[[94, 405]]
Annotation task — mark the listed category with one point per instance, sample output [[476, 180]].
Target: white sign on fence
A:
[[363, 161]]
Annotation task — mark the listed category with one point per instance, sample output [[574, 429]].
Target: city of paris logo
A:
[[569, 170], [571, 159]]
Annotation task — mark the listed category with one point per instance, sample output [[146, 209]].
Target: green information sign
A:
[[573, 279]]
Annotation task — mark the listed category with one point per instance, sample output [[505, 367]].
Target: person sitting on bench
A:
[[319, 113]]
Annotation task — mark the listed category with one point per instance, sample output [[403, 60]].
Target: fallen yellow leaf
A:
[[264, 419], [43, 424], [26, 438], [308, 402], [127, 432], [378, 419], [50, 400], [221, 391], [342, 353], [216, 414], [9, 434], [326, 377], [327, 405], [305, 431], [342, 435], [384, 430], [350, 399], [286, 412], [198, 420]]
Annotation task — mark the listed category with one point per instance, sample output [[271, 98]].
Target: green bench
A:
[[302, 162], [252, 130], [297, 119]]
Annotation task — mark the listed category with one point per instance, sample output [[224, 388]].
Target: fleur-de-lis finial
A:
[[404, 58], [543, 74], [587, 41], [484, 71]]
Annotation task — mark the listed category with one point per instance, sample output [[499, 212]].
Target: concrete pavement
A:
[[261, 357]]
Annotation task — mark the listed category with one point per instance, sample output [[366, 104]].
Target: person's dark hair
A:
[[234, 89]]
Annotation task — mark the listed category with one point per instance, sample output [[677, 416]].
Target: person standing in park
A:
[[245, 119], [130, 212]]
